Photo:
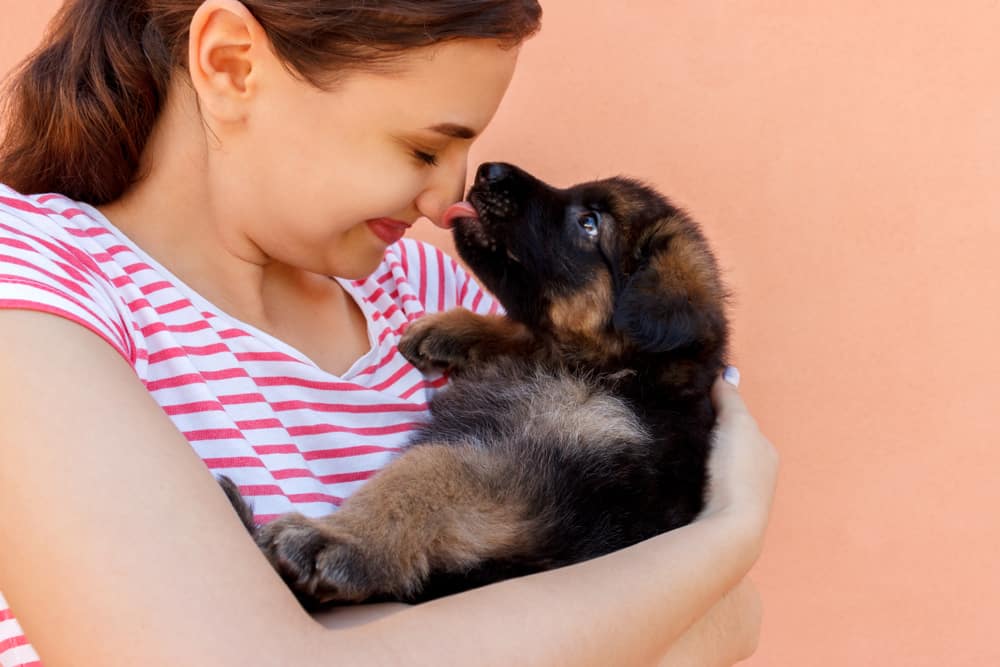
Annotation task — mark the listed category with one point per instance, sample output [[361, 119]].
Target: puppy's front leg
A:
[[438, 508], [458, 338]]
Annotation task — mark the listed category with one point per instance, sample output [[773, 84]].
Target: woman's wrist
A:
[[739, 532], [744, 521]]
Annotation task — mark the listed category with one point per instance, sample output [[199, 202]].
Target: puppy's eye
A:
[[590, 222]]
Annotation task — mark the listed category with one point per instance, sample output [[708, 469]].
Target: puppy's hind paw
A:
[[316, 562]]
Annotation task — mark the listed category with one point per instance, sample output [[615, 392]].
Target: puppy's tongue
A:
[[462, 209]]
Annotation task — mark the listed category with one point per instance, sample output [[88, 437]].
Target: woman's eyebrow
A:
[[453, 130]]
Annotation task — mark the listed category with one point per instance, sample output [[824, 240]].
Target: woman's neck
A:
[[172, 215]]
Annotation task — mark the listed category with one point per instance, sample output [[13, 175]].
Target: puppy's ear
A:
[[675, 299], [654, 318]]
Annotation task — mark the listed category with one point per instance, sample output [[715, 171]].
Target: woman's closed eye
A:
[[425, 157]]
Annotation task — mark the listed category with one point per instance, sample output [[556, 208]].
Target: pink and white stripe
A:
[[291, 435]]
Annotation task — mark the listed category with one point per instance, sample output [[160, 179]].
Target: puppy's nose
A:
[[492, 172]]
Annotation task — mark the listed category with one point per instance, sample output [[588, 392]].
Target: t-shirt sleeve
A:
[[44, 268], [443, 283]]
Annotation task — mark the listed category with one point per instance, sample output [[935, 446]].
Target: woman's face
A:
[[325, 180]]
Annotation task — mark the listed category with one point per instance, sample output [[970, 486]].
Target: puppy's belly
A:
[[503, 409], [574, 453]]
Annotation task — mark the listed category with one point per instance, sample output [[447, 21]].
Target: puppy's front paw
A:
[[429, 344], [319, 562]]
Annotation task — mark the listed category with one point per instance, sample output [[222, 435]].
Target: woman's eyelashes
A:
[[425, 157]]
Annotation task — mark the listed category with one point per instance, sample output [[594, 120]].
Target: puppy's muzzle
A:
[[494, 193]]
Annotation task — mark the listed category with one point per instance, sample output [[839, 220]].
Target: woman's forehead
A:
[[458, 85]]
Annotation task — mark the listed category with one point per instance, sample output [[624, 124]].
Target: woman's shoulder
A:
[[48, 214], [53, 259], [56, 228]]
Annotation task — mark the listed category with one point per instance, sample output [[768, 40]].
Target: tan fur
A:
[[433, 508], [585, 313], [687, 266], [581, 319], [569, 412], [469, 337]]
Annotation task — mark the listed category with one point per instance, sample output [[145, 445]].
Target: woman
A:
[[169, 314]]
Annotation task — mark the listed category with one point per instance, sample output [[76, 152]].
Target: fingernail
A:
[[732, 375]]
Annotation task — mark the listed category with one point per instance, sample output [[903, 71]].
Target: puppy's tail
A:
[[241, 506]]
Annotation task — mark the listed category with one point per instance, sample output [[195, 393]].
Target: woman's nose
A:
[[444, 190]]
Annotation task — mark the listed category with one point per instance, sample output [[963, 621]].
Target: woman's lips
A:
[[388, 229]]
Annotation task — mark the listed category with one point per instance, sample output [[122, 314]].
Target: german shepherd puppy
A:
[[576, 424]]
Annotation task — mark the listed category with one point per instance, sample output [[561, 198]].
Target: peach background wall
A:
[[844, 157]]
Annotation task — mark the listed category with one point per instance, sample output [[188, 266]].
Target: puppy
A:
[[576, 424]]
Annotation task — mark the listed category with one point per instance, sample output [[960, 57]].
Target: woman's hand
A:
[[743, 465]]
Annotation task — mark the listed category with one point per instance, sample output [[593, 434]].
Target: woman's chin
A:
[[361, 264]]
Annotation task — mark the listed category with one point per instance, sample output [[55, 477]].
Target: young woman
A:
[[214, 282]]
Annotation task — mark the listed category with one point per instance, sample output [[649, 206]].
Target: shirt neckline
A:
[[351, 287]]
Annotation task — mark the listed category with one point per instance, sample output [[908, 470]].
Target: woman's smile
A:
[[389, 230]]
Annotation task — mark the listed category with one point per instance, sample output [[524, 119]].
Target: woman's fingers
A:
[[743, 465], [725, 395]]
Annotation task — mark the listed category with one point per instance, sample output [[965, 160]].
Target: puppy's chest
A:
[[500, 409]]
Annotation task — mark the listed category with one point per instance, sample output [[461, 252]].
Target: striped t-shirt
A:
[[292, 436]]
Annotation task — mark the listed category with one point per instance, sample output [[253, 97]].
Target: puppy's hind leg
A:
[[437, 508]]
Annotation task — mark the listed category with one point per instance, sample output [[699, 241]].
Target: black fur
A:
[[597, 423], [590, 498]]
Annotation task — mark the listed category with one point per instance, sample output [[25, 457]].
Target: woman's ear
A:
[[227, 53]]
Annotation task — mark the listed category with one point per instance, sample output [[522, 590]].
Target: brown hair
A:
[[79, 110]]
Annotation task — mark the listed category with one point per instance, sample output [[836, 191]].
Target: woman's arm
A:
[[725, 635], [626, 608], [743, 471], [118, 548], [115, 549]]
